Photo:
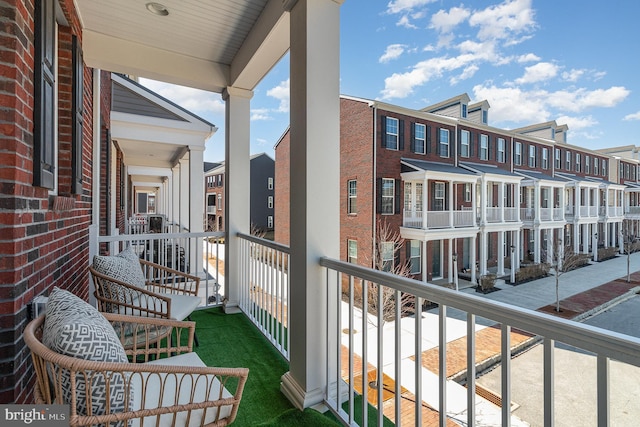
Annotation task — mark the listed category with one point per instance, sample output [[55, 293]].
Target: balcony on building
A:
[[543, 198]]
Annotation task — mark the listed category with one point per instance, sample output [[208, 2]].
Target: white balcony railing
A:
[[264, 288], [493, 214], [463, 218], [614, 211], [633, 210], [390, 341], [510, 214], [584, 211], [412, 219], [593, 211], [527, 214], [545, 214], [557, 214], [439, 219], [569, 211]]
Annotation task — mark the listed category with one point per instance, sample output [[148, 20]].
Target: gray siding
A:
[[126, 101], [262, 168]]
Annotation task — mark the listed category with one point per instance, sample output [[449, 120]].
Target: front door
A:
[[436, 260]]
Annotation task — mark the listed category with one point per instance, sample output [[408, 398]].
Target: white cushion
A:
[[124, 267], [74, 328], [207, 388], [181, 305]]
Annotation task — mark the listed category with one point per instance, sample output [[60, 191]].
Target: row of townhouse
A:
[[456, 188], [261, 194]]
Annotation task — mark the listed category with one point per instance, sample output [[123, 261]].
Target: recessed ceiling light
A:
[[157, 8]]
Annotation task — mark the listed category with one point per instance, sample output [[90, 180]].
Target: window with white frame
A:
[[352, 251], [219, 202], [485, 117], [388, 196], [270, 202], [438, 195], [626, 171], [587, 164], [270, 221], [387, 255], [419, 197], [578, 161], [352, 190], [532, 156], [420, 136], [407, 196], [391, 133], [484, 147], [604, 167], [568, 160], [463, 111], [414, 257], [501, 150], [595, 165], [558, 159], [444, 142], [545, 158], [517, 156], [464, 143], [270, 183], [467, 192]]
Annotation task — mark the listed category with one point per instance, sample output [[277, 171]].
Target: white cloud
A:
[[405, 22], [504, 21], [573, 75], [261, 141], [536, 73], [405, 6], [577, 123], [260, 114], [467, 73], [634, 116], [580, 99], [281, 93], [529, 57], [194, 100], [393, 51], [444, 22]]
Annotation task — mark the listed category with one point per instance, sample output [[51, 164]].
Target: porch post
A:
[[501, 253], [536, 243], [196, 206], [483, 252], [315, 190], [236, 187], [450, 260], [472, 258], [605, 238], [175, 196], [183, 191]]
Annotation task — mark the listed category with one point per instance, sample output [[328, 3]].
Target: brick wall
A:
[[43, 237], [282, 191]]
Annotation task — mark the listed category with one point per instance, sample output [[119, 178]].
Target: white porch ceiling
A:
[[204, 44]]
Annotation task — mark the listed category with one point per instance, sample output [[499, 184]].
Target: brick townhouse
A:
[[455, 188]]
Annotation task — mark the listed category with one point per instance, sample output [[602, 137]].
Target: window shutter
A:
[[470, 144], [383, 131], [44, 126], [379, 195], [413, 137], [428, 141], [397, 197], [77, 109], [401, 135], [489, 150]]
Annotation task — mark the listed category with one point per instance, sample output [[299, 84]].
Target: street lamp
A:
[[513, 270], [595, 246], [455, 269]]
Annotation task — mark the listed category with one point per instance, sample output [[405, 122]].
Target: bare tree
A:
[[387, 245], [564, 259]]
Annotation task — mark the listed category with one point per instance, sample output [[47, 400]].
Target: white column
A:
[[605, 238], [518, 244], [451, 195], [425, 202], [472, 258], [501, 201], [236, 186], [550, 246], [620, 237], [536, 202], [577, 200], [425, 273], [483, 201], [516, 201], [576, 238], [483, 252], [450, 262], [474, 206], [196, 207], [183, 192], [501, 253], [563, 202], [175, 195], [585, 238], [536, 244], [315, 191]]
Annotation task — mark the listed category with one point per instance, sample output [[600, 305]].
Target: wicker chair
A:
[[175, 389], [168, 293]]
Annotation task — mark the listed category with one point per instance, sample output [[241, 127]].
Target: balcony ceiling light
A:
[[157, 9]]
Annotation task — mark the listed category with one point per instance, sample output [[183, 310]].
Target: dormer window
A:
[[485, 117], [463, 113]]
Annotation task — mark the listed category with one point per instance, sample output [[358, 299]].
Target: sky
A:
[[573, 61]]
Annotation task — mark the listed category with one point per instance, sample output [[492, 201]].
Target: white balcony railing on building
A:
[[510, 214], [569, 211], [463, 218], [593, 211], [264, 288], [385, 344], [493, 214], [633, 210], [412, 219], [584, 211], [438, 219], [602, 211], [557, 214], [199, 254], [545, 214], [614, 211], [527, 214]]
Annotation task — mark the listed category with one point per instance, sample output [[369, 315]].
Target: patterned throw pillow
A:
[[74, 328], [124, 267]]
